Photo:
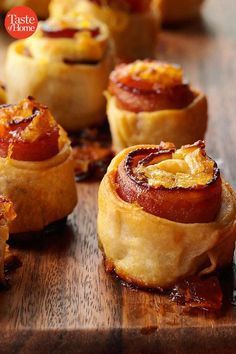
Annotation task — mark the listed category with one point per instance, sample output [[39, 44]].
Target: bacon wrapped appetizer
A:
[[150, 101], [36, 164], [39, 6], [7, 215], [133, 24], [66, 65], [3, 96], [173, 11], [170, 215]]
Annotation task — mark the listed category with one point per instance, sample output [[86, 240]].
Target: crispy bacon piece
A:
[[7, 212], [92, 152], [28, 132], [69, 32], [195, 292], [148, 86], [187, 199], [125, 5]]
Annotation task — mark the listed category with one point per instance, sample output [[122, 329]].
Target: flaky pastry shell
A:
[[73, 93], [173, 11], [180, 126], [42, 192], [153, 252]]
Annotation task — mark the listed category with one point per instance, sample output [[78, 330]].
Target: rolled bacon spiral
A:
[[180, 185], [148, 86], [28, 132]]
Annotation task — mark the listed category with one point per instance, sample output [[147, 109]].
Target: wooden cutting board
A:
[[62, 301]]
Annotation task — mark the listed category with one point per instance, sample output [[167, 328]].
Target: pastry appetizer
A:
[[39, 6], [150, 101], [65, 65], [173, 11], [7, 215], [36, 166], [2, 94], [170, 215], [133, 23]]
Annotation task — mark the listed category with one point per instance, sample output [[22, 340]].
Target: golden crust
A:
[[2, 95], [130, 42], [77, 99], [153, 252], [42, 192], [180, 126], [39, 6], [173, 11]]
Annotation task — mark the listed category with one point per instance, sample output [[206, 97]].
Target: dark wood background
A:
[[62, 301]]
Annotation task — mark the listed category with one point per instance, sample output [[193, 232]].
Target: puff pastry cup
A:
[[39, 6], [169, 213], [173, 11], [7, 214], [133, 24], [150, 101], [65, 65], [36, 166]]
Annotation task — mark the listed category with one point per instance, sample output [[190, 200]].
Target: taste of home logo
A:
[[21, 22]]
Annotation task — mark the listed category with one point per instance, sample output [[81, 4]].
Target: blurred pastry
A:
[[65, 65], [170, 215], [7, 214], [39, 6], [150, 101], [3, 96], [173, 11], [36, 165], [133, 23]]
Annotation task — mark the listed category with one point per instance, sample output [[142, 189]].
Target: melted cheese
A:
[[155, 72], [187, 168]]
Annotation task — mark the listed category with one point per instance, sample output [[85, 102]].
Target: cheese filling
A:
[[187, 168], [163, 74]]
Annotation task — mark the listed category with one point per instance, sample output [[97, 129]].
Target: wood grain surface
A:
[[62, 301]]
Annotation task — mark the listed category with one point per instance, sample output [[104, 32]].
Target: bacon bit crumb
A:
[[92, 153]]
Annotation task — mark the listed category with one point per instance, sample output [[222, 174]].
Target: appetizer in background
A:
[[39, 6], [7, 215], [170, 215], [3, 96], [150, 101], [173, 11], [133, 23], [65, 65], [36, 166]]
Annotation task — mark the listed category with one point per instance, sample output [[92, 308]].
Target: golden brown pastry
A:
[[65, 65], [2, 94], [173, 11], [7, 214], [133, 24], [169, 213], [36, 166], [150, 101], [39, 6]]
